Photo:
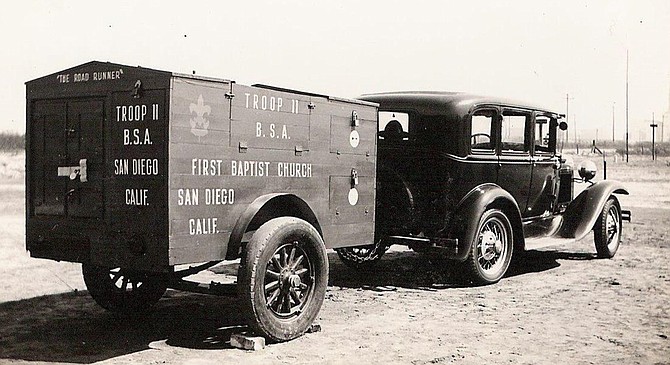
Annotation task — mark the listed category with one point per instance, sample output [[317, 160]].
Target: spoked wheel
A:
[[283, 277], [607, 230], [289, 280], [123, 291], [362, 257], [491, 250]]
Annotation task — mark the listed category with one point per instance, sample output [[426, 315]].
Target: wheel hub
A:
[[287, 277], [491, 246], [294, 281]]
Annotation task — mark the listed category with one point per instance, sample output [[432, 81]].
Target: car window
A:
[[514, 131], [393, 126], [481, 131], [542, 134]]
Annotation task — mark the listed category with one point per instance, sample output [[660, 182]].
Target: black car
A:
[[480, 179]]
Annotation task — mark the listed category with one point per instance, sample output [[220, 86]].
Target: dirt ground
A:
[[559, 305]]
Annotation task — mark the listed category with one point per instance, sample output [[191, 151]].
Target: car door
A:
[[515, 170], [544, 162], [481, 163]]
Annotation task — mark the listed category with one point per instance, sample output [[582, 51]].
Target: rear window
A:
[[434, 132]]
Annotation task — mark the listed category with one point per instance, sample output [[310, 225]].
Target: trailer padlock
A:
[[137, 90], [354, 178], [355, 122]]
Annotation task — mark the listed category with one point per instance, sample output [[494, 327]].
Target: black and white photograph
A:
[[335, 182]]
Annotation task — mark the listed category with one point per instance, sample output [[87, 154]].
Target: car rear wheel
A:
[[282, 278], [123, 291], [607, 230], [491, 250]]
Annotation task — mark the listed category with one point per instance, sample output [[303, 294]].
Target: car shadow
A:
[[72, 328], [407, 269]]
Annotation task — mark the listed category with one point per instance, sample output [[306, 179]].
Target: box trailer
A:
[[133, 171]]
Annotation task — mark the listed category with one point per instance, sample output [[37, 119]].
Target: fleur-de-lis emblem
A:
[[199, 124]]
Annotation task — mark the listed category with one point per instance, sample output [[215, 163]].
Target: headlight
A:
[[587, 170]]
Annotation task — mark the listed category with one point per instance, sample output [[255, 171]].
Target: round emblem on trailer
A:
[[353, 196], [354, 139]]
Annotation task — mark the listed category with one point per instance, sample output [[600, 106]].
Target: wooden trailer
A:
[[132, 171]]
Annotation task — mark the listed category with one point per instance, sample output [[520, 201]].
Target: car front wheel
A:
[[607, 230], [491, 250]]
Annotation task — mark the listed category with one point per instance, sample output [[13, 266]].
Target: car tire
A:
[[123, 291], [491, 250], [282, 278], [607, 230]]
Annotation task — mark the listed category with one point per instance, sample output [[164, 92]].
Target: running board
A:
[[445, 243], [542, 242]]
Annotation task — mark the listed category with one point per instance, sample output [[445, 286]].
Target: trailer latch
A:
[[73, 171], [354, 178]]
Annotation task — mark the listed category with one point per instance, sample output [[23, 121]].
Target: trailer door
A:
[[68, 157]]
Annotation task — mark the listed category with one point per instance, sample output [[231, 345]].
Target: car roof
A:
[[437, 102]]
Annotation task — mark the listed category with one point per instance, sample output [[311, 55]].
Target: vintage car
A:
[[480, 180]]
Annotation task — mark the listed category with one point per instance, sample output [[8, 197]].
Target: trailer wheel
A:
[[362, 257], [491, 251], [607, 230], [123, 291], [282, 278]]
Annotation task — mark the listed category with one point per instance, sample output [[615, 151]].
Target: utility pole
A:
[[567, 111], [576, 141], [626, 105], [567, 116], [613, 120], [653, 126]]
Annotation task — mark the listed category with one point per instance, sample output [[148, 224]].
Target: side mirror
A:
[[563, 126]]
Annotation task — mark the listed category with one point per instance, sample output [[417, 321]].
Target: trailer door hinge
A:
[[229, 95], [298, 150], [311, 105], [243, 147]]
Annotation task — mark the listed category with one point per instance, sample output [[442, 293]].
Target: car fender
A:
[[264, 208], [473, 205], [584, 210]]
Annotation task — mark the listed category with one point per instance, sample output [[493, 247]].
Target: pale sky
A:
[[531, 50]]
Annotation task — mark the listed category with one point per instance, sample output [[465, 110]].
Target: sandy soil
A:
[[560, 305]]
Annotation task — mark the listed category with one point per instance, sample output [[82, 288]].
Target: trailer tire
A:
[[123, 291], [607, 230], [282, 278]]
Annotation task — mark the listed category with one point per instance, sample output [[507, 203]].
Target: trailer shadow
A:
[[411, 270], [71, 328]]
